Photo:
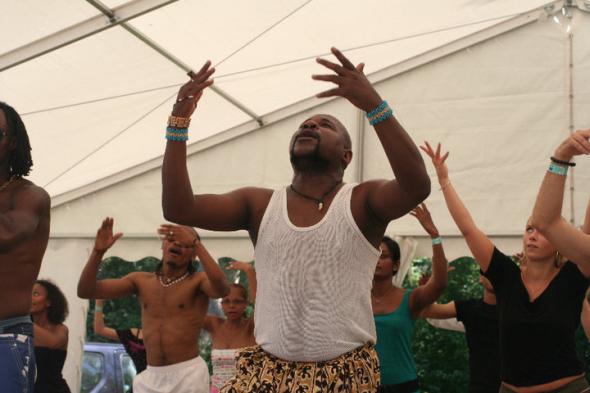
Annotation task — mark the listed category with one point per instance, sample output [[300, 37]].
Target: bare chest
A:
[[158, 301]]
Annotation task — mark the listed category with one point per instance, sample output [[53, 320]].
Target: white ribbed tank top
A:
[[313, 301]]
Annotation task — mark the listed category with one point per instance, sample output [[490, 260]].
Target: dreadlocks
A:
[[20, 161]]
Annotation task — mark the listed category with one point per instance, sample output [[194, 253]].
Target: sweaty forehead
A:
[[329, 118]]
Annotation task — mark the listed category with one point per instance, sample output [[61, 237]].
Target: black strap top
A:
[[50, 363]]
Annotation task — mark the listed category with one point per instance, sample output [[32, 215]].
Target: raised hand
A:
[[576, 144], [352, 83], [241, 266], [174, 233], [191, 92], [437, 160], [104, 236], [425, 219]]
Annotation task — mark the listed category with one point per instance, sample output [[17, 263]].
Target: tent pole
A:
[[571, 120], [360, 160]]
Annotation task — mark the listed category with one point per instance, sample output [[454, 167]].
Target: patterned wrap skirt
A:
[[257, 371]]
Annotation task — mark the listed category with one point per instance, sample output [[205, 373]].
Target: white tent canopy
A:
[[499, 83], [112, 91]]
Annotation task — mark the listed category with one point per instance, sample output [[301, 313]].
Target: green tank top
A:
[[394, 344]]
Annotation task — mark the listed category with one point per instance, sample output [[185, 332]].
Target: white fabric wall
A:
[[501, 108]]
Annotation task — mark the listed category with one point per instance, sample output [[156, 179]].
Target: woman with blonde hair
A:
[[539, 304]]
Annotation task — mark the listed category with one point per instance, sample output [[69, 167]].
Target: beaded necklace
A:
[[165, 282]]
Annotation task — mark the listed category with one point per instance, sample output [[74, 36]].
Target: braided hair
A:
[[20, 161]]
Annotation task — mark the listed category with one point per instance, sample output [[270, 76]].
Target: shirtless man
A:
[[174, 303], [24, 232], [317, 246]]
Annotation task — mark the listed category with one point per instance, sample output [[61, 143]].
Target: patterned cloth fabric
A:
[[356, 371]]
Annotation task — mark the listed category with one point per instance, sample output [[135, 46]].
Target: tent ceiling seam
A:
[[252, 40], [105, 143], [276, 64], [173, 59], [77, 32], [278, 115]]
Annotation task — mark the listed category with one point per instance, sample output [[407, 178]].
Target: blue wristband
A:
[[558, 169], [437, 240], [386, 114], [177, 134], [377, 110]]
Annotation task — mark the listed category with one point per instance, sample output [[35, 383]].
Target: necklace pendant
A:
[[320, 205]]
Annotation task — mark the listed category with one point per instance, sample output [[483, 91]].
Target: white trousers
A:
[[191, 376]]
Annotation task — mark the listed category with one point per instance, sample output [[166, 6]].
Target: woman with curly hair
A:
[[49, 309]]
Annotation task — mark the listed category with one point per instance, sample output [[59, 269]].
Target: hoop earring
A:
[[557, 262]]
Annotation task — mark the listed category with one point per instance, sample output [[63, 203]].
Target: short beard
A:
[[312, 162]]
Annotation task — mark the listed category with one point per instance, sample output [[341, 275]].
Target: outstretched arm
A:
[[99, 327], [225, 212], [385, 200], [443, 316], [426, 294], [451, 324], [480, 245], [88, 286], [440, 311], [570, 242]]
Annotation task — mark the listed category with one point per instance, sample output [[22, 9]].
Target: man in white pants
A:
[[173, 302]]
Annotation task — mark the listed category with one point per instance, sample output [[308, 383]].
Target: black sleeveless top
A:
[[50, 362], [134, 347]]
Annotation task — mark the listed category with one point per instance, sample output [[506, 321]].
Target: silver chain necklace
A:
[[169, 283]]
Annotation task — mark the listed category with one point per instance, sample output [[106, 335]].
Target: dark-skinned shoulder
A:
[[34, 195], [239, 209], [258, 201], [137, 278], [387, 200]]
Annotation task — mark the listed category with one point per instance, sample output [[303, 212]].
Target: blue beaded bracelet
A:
[[377, 110], [558, 169], [177, 134], [386, 114], [382, 112], [177, 130]]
